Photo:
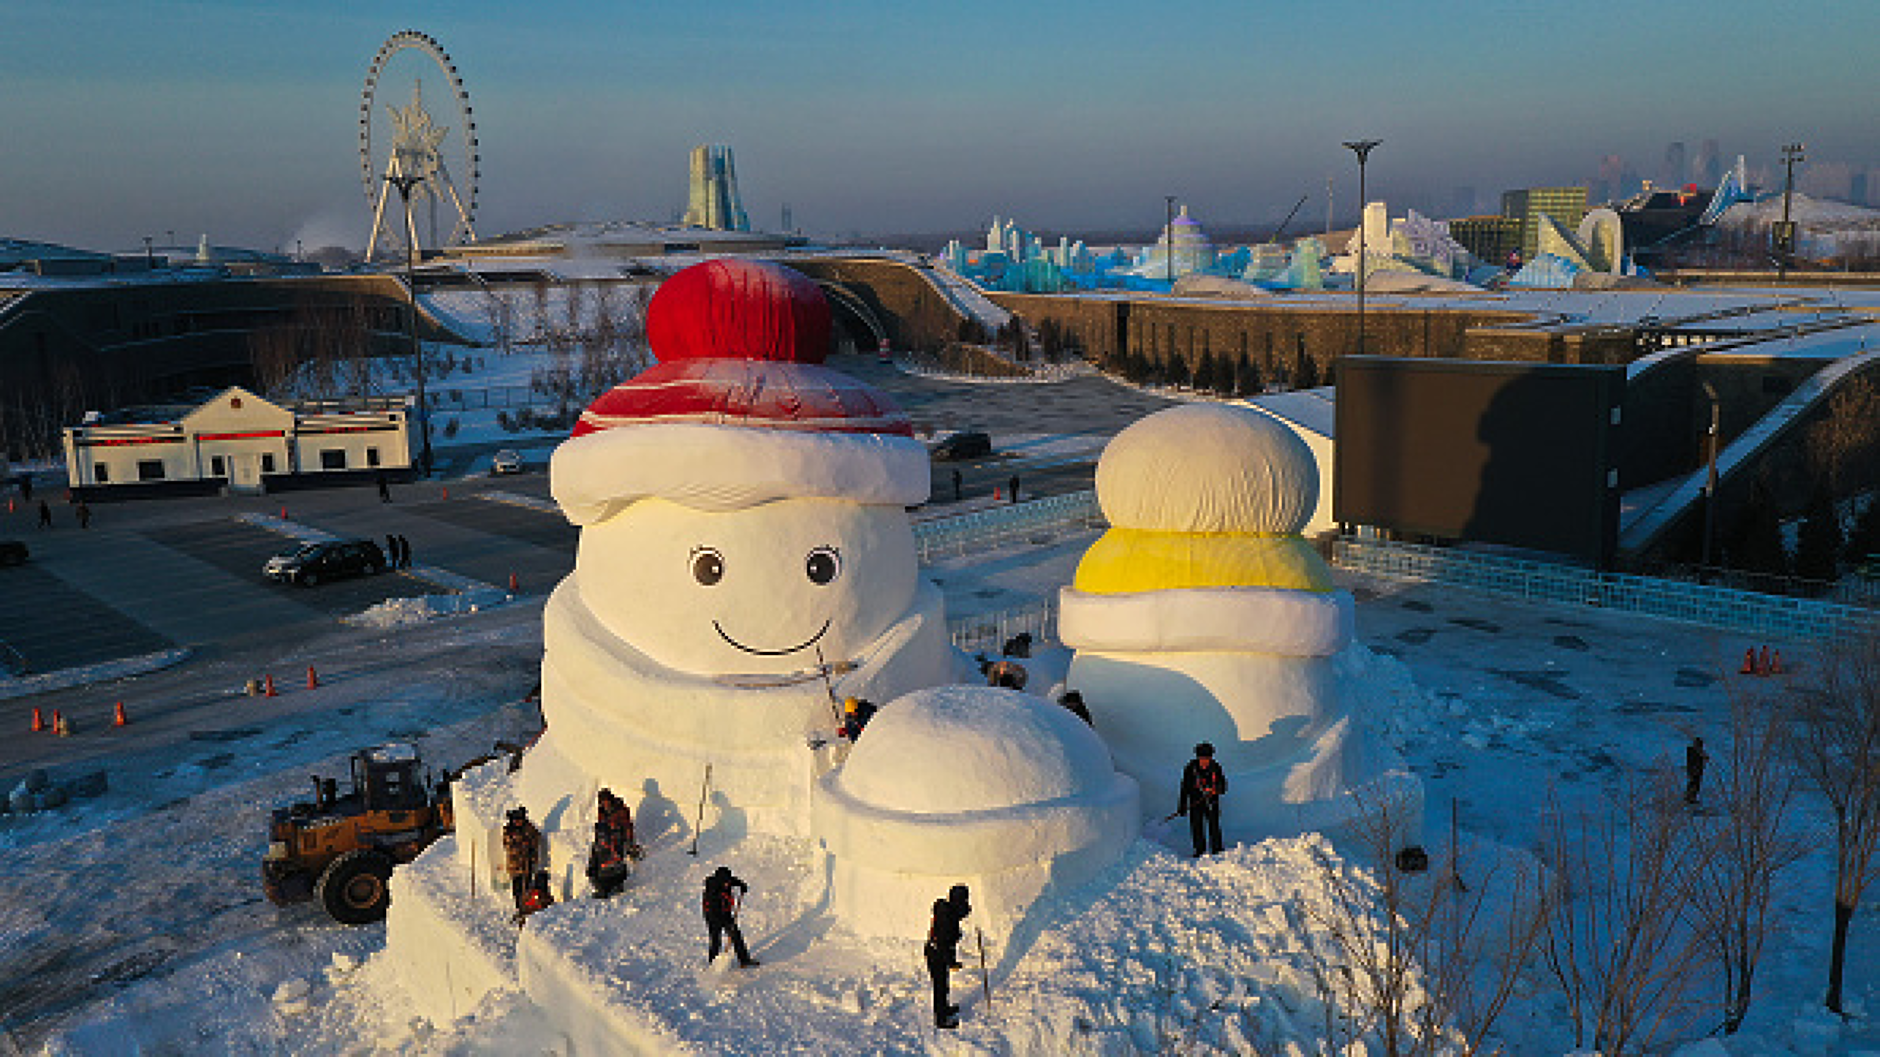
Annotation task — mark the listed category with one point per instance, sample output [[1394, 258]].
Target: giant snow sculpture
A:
[[745, 559], [1202, 615], [743, 529]]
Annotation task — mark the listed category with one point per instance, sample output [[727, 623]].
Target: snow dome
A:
[[998, 790]]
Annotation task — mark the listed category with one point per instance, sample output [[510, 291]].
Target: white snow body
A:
[[1003, 792]]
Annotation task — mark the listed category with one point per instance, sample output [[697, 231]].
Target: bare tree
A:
[[1424, 963], [1837, 731], [1748, 842], [1850, 427], [1619, 938]]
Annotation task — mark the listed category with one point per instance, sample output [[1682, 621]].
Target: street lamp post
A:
[[1710, 482], [1785, 241], [405, 182], [1168, 240], [1362, 148], [150, 259]]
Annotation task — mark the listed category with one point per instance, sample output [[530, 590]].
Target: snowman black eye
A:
[[708, 566], [823, 565]]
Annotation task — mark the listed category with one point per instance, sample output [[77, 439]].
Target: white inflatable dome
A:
[[1007, 793], [1208, 468]]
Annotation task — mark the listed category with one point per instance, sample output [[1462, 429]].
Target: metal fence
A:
[[1036, 520], [987, 632], [1721, 607], [448, 399]]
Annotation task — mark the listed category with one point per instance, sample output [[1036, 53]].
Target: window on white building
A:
[[332, 458], [267, 462], [372, 456], [218, 466], [150, 469], [101, 473]]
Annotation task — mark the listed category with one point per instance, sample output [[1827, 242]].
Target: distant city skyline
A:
[[135, 118]]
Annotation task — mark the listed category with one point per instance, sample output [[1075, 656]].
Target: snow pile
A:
[[404, 612]]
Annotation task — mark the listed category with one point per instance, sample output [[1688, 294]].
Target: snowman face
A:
[[751, 591]]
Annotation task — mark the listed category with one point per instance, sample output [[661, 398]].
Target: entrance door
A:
[[246, 475]]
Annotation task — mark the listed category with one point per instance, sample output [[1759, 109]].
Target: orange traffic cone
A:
[[446, 493], [515, 585], [283, 513], [9, 504], [1775, 662], [269, 691], [1762, 662], [997, 493], [313, 680], [39, 722], [59, 725], [1749, 662], [120, 720]]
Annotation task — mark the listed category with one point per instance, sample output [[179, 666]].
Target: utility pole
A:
[[405, 182], [150, 259], [1785, 235], [1710, 484], [1168, 240], [1362, 148]]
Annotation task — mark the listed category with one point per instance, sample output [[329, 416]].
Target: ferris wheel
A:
[[403, 150]]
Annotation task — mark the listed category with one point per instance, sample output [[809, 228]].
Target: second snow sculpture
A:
[[1202, 615]]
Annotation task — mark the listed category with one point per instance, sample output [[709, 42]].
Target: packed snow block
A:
[[1013, 796], [566, 969], [448, 948], [617, 717]]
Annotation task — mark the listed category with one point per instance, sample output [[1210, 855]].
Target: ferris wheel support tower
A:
[[420, 151]]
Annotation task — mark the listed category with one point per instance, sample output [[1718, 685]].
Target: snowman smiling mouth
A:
[[804, 645]]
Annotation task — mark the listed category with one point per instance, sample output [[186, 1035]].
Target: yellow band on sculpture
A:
[[1131, 560]]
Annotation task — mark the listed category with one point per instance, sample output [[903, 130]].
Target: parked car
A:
[[967, 445], [316, 562], [508, 460], [12, 552]]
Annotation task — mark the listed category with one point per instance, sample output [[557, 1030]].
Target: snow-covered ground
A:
[[134, 923]]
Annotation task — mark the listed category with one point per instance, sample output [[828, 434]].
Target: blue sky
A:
[[125, 118]]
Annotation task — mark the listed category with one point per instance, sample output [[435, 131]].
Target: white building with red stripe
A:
[[239, 442]]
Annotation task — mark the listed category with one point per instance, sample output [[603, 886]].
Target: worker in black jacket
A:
[[721, 914], [1203, 782], [943, 952]]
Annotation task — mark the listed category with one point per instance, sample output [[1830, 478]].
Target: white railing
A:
[[1720, 607], [988, 632], [947, 537]]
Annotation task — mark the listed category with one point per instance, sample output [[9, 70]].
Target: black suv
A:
[[969, 445], [315, 562]]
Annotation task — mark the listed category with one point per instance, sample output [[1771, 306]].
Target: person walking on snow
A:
[[385, 488], [613, 845], [1203, 782], [84, 515], [943, 952], [522, 844], [45, 515], [721, 914], [536, 896], [1694, 760]]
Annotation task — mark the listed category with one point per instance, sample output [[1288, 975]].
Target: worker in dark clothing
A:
[[614, 847], [84, 515], [1203, 782], [45, 515], [522, 847], [943, 952], [536, 896], [721, 914], [1694, 760], [958, 494], [391, 551], [385, 488], [856, 712], [1073, 701], [1014, 483]]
